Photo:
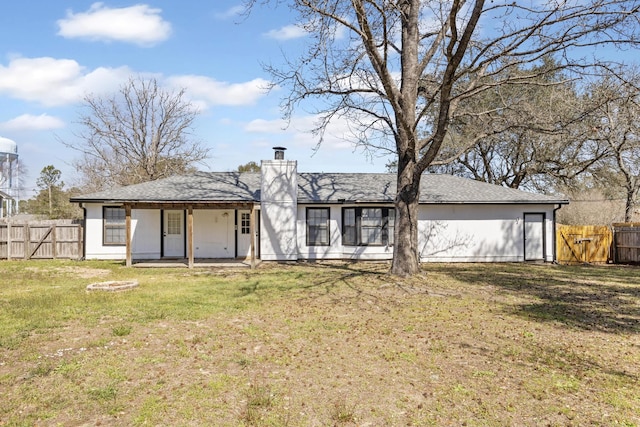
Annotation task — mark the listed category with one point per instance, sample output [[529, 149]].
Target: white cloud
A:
[[31, 122], [54, 82], [288, 32], [232, 12], [205, 91], [266, 126], [337, 136], [50, 82], [139, 24]]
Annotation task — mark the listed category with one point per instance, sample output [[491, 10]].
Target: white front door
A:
[[173, 233], [244, 234], [533, 236]]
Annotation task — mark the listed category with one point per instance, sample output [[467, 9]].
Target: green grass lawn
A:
[[326, 344]]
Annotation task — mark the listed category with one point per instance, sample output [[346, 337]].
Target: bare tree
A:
[[618, 127], [398, 70], [593, 205], [532, 136], [141, 133]]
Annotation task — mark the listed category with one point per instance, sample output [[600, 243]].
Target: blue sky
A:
[[52, 53]]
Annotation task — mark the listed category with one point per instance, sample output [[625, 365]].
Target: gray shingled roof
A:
[[314, 188], [198, 187]]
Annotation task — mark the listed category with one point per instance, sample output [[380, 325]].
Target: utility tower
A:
[[9, 194]]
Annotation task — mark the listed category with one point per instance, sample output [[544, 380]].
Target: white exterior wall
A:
[[145, 230], [479, 233], [447, 233], [278, 210], [145, 240], [93, 247], [213, 233], [335, 250]]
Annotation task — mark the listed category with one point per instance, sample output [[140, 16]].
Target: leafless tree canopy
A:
[[400, 70], [533, 136], [616, 125], [141, 133]]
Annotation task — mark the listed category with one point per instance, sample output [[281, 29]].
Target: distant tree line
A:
[[52, 199]]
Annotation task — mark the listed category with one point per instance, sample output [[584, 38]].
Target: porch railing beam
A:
[[252, 232], [190, 236], [127, 213]]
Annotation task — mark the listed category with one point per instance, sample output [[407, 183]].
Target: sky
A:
[[53, 53]]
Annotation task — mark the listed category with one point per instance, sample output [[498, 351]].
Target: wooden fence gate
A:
[[583, 244], [41, 241]]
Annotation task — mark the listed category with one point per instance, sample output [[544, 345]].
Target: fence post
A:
[[614, 245], [27, 240], [8, 240], [80, 241], [53, 241]]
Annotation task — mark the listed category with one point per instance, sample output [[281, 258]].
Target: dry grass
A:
[[322, 344]]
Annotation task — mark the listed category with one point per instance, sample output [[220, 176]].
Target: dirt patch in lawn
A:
[[81, 272]]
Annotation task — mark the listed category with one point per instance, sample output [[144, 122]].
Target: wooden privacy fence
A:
[[627, 243], [581, 244], [41, 241]]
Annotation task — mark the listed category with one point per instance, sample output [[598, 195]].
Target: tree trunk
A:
[[628, 209], [50, 203], [405, 251]]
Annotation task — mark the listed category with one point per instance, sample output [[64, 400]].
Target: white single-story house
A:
[[280, 214]]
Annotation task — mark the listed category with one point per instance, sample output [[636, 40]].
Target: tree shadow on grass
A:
[[594, 298], [336, 281], [345, 281]]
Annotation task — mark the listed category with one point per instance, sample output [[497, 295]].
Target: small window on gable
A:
[[317, 226], [114, 226]]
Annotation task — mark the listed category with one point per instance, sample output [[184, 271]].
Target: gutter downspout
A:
[[84, 232], [555, 233]]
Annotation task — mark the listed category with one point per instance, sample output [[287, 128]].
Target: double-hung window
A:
[[368, 226], [318, 226], [114, 226]]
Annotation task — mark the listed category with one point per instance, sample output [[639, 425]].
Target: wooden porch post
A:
[[252, 232], [127, 213], [190, 236]]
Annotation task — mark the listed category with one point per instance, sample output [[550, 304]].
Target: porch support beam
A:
[[127, 213], [190, 236], [252, 232], [196, 205]]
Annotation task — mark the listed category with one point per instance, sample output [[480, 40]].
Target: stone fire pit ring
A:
[[113, 286]]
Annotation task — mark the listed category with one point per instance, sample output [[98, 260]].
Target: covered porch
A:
[[190, 260]]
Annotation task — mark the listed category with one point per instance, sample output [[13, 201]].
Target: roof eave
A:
[[159, 202], [496, 202]]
